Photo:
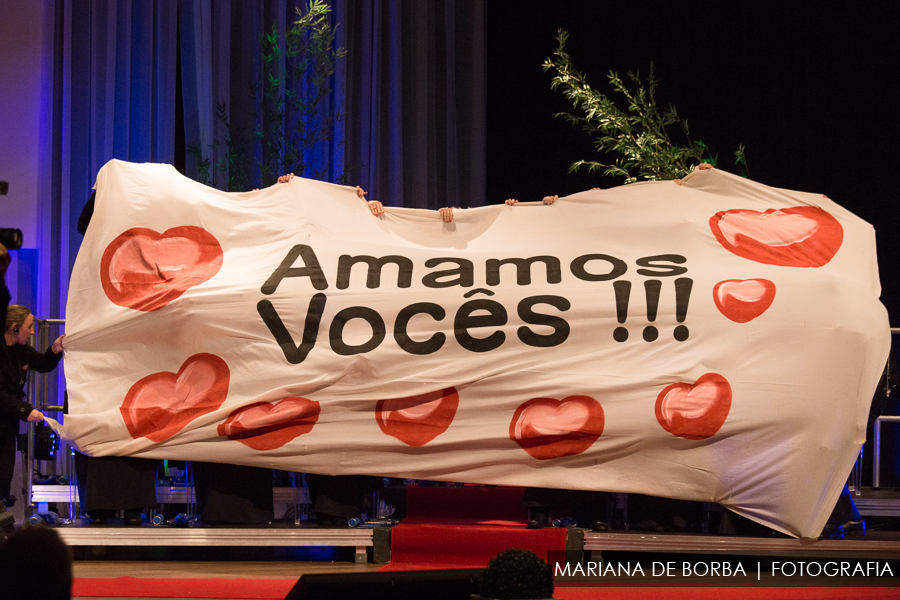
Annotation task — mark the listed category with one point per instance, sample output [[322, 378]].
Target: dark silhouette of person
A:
[[35, 563]]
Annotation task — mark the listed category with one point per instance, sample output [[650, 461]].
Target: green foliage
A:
[[517, 573], [203, 164], [292, 112], [641, 135]]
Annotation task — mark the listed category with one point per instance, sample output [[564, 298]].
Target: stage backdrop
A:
[[718, 340]]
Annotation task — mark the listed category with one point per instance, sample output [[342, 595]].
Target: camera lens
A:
[[11, 238]]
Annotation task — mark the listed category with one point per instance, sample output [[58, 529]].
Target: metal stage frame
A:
[[267, 536], [579, 542], [860, 548]]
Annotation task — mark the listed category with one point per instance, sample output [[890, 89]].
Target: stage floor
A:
[[291, 570], [286, 551]]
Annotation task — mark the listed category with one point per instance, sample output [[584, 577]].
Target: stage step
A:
[[360, 539], [877, 502], [165, 494], [741, 546]]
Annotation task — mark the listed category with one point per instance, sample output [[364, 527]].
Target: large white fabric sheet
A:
[[753, 392]]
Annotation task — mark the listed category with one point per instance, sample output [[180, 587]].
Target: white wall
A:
[[22, 34], [21, 91]]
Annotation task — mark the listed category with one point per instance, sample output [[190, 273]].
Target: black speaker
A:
[[46, 442], [454, 584], [7, 522]]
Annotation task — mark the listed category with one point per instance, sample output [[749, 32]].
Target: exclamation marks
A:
[[623, 291], [652, 289], [683, 287]]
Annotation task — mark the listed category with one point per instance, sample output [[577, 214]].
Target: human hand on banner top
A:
[[700, 167], [446, 214], [375, 206], [546, 200]]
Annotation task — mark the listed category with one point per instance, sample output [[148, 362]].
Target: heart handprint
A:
[[145, 270], [547, 428], [694, 411], [417, 420], [742, 300], [160, 405], [799, 236], [270, 425]]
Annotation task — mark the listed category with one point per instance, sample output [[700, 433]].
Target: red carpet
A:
[[732, 592], [463, 528], [276, 589], [117, 587]]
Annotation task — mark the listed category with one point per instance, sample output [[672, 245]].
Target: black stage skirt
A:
[[117, 482], [233, 493]]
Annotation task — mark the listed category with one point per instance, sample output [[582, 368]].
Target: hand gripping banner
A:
[[718, 340]]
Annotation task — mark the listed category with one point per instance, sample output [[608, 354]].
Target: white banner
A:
[[718, 340]]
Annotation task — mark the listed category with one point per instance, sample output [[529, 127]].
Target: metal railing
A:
[[38, 389], [876, 439]]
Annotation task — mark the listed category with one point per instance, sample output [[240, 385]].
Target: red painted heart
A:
[[548, 428], [160, 405], [800, 236], [270, 425], [145, 270], [694, 412], [742, 300], [417, 420]]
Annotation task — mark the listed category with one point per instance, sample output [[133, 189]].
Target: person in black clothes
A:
[[4, 303], [35, 563], [4, 291], [16, 359]]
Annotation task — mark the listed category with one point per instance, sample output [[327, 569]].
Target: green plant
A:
[[517, 573], [292, 109], [641, 134]]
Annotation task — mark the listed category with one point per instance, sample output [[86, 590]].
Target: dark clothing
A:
[[585, 506], [117, 482], [84, 219], [845, 509], [342, 496], [233, 493], [4, 303], [6, 445], [15, 362]]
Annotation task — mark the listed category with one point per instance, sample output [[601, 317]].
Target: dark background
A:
[[810, 88]]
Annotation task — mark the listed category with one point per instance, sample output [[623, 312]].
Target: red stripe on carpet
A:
[[417, 547], [117, 587], [732, 592]]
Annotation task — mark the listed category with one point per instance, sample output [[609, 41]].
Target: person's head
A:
[[19, 324], [35, 563]]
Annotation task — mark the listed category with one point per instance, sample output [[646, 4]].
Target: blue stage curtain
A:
[[416, 88], [412, 87], [112, 95], [220, 49]]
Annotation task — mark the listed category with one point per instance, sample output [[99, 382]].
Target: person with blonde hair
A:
[[16, 359]]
